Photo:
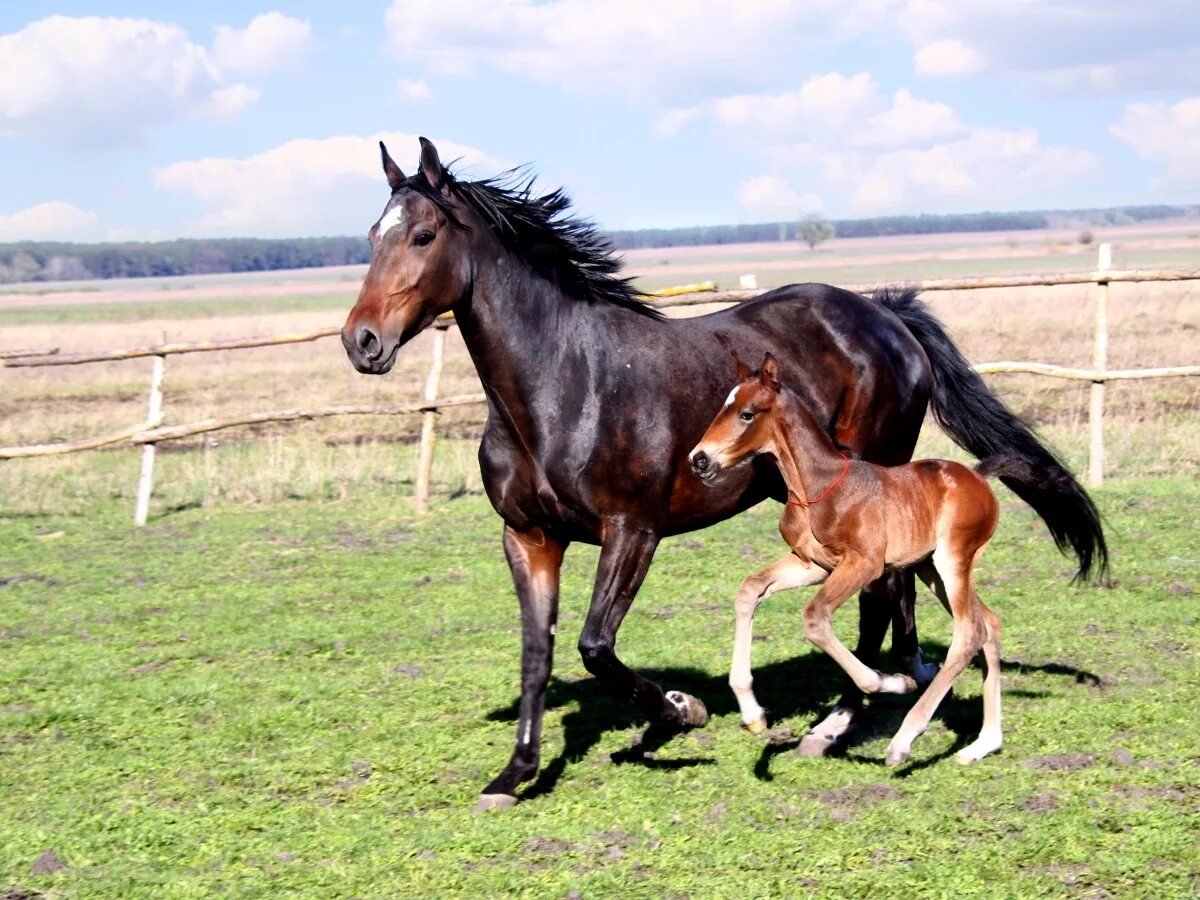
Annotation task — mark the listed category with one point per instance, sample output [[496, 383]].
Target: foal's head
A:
[[743, 426], [419, 267]]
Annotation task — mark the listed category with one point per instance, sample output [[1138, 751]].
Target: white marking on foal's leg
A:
[[827, 733]]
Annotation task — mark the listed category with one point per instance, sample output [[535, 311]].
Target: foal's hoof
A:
[[692, 713], [896, 757], [489, 802], [758, 726], [814, 745]]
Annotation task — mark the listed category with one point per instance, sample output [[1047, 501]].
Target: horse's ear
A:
[[743, 370], [431, 166], [395, 177], [769, 373]]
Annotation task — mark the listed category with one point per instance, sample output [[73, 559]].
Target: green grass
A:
[[303, 699], [85, 313]]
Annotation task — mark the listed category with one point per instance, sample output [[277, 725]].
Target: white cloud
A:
[[822, 102], [56, 220], [988, 168], [910, 120], [413, 89], [96, 82], [270, 41], [226, 104], [1166, 134], [831, 109], [1063, 46], [772, 197], [329, 186], [673, 49], [947, 57]]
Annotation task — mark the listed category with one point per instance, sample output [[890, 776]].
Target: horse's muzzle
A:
[[368, 351]]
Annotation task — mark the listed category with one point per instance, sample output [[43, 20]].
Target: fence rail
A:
[[150, 432]]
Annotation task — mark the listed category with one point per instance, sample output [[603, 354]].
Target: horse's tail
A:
[[979, 422]]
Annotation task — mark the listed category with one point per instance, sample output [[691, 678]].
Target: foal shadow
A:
[[803, 687]]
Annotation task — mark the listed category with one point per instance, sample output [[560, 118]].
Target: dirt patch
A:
[[47, 864], [1040, 803], [842, 803], [551, 846], [1060, 762]]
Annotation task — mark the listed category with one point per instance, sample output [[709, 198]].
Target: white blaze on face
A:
[[732, 394], [391, 218]]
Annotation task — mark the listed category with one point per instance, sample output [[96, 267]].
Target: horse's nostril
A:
[[369, 343], [700, 461]]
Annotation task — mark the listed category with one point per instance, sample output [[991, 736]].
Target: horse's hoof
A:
[[896, 757], [814, 745], [758, 726], [897, 684], [692, 713], [489, 802]]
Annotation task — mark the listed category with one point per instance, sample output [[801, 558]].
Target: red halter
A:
[[801, 502]]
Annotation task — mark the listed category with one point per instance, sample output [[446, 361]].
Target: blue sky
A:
[[140, 120]]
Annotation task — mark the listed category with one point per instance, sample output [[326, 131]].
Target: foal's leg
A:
[[625, 556], [990, 737], [534, 559], [891, 597], [789, 572], [850, 575], [951, 581]]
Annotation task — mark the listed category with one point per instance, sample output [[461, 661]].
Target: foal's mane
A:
[[538, 229]]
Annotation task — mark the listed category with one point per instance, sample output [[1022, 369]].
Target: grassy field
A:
[[288, 685], [303, 699]]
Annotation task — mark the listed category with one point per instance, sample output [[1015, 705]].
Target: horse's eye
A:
[[423, 238], [746, 416]]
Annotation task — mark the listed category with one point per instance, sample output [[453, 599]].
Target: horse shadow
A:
[[804, 687]]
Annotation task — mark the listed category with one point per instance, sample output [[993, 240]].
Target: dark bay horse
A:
[[594, 400]]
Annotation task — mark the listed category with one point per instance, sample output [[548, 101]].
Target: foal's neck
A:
[[807, 458]]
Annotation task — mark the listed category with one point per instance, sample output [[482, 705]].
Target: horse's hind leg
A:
[[789, 572], [990, 736], [950, 579]]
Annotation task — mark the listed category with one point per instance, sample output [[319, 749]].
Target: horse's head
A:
[[742, 428], [419, 266]]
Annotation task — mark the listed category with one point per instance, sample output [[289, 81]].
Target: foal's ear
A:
[[395, 177], [431, 166], [769, 373], [743, 370]]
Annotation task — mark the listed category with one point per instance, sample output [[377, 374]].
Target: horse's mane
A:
[[537, 229]]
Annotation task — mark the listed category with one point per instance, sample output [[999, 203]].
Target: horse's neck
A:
[[807, 458], [516, 325]]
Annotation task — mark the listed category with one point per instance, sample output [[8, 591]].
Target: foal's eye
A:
[[746, 416], [423, 238]]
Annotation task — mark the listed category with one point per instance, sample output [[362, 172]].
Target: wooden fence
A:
[[150, 432]]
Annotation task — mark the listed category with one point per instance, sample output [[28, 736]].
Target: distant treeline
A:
[[891, 225], [47, 261], [44, 261]]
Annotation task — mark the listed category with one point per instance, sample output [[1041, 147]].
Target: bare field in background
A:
[[1154, 426]]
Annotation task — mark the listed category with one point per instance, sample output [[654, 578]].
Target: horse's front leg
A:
[[535, 560], [625, 555]]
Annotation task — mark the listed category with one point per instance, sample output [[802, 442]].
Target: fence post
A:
[[429, 418], [153, 418], [1099, 364]]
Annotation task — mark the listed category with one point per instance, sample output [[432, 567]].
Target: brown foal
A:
[[846, 521]]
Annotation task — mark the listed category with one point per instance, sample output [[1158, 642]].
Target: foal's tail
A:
[[979, 422]]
